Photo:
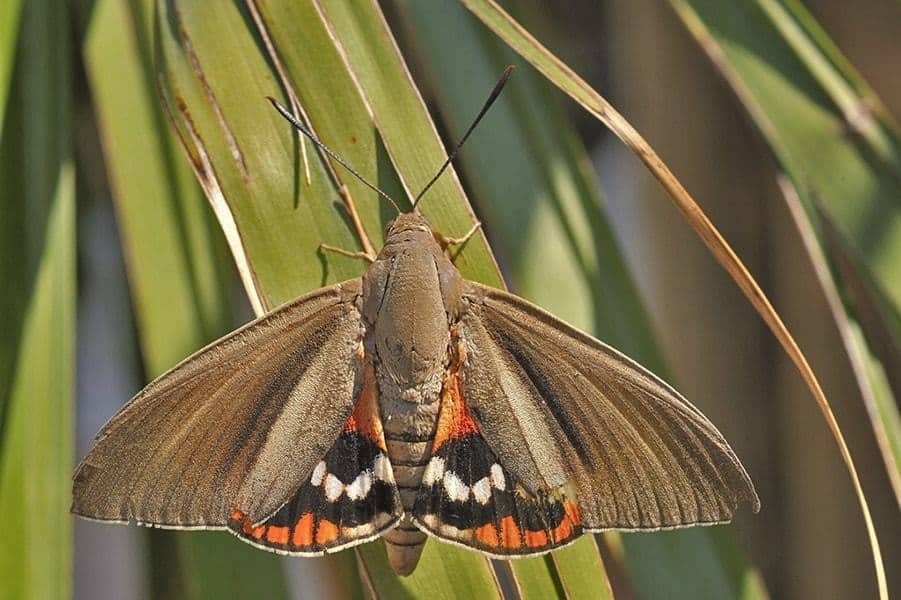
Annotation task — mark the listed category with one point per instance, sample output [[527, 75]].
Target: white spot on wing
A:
[[381, 468], [434, 522], [497, 477], [430, 519], [455, 488], [318, 474], [358, 489], [434, 471], [481, 490], [358, 531], [333, 488]]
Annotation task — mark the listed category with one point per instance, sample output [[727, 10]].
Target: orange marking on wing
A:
[[454, 418], [563, 531], [365, 418], [510, 536], [572, 511], [326, 532], [535, 539], [257, 532], [487, 534], [303, 531], [237, 515], [351, 423], [278, 535]]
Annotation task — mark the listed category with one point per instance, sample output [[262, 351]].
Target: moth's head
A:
[[405, 222]]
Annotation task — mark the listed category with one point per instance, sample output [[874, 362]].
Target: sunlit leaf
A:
[[180, 300], [9, 35]]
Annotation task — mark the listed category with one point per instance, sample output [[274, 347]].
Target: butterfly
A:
[[405, 403]]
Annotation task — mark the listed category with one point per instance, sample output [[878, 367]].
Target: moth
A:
[[405, 403]]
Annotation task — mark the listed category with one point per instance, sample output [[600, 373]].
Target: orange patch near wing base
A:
[[454, 418], [505, 535], [365, 418]]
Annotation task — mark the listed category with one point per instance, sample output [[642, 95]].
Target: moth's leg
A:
[[348, 253], [458, 241]]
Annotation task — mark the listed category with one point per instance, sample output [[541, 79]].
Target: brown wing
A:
[[559, 408], [238, 425]]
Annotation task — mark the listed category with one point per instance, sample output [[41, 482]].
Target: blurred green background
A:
[[151, 200]]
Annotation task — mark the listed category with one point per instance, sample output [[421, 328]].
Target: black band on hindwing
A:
[[345, 511], [349, 496], [351, 455], [470, 459]]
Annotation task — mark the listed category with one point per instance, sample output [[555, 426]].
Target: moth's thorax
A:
[[411, 293]]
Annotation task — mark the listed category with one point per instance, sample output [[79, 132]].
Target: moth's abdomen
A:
[[408, 459], [409, 433], [409, 456]]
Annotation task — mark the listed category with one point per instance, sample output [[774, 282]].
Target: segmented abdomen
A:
[[409, 454]]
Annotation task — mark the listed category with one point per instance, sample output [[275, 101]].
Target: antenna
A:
[[303, 129], [491, 98]]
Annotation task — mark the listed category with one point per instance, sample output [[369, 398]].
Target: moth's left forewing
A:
[[555, 403], [238, 424]]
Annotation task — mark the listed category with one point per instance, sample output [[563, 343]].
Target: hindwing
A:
[[467, 496], [349, 498]]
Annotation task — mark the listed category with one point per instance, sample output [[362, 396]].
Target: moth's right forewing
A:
[[638, 455], [217, 431], [521, 429]]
